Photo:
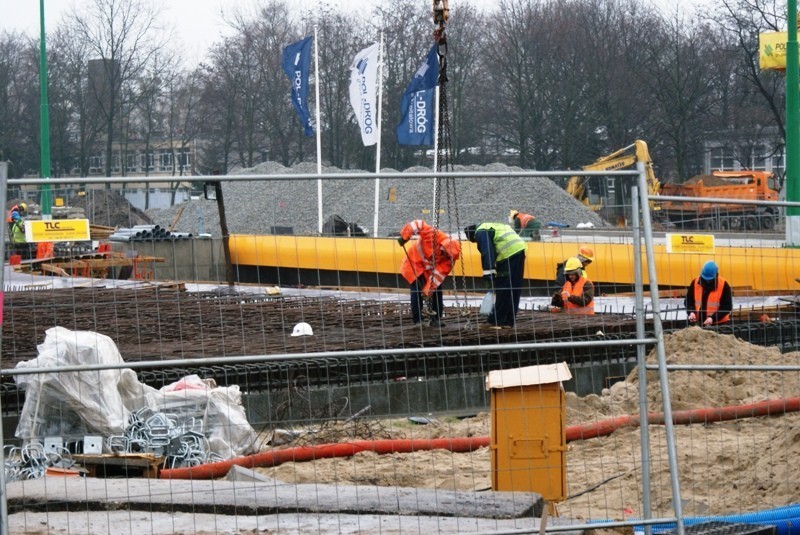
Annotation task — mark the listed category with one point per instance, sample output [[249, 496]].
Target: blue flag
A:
[[416, 127], [296, 63]]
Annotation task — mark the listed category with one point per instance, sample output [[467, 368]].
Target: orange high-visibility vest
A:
[[524, 219], [577, 289], [422, 261], [713, 299]]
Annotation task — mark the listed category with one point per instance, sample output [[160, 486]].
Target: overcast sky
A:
[[198, 23]]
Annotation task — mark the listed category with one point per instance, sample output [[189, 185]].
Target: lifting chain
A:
[[444, 161]]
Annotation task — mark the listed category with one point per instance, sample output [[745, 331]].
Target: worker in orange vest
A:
[[526, 225], [586, 257], [577, 294], [428, 261], [709, 299]]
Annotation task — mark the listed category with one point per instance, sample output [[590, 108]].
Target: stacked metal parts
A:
[[147, 233]]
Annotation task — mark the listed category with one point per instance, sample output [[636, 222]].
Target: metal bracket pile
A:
[[32, 460], [182, 442]]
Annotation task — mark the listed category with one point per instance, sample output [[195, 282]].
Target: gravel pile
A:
[[262, 207], [109, 208]]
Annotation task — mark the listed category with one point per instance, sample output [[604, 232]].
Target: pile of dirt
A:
[[708, 180], [724, 468], [109, 208]]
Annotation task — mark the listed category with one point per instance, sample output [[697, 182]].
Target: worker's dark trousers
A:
[[508, 290], [437, 300]]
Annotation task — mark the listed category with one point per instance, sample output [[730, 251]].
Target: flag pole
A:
[[435, 155], [378, 144], [319, 135]]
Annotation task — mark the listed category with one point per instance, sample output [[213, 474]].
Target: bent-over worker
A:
[[709, 299], [577, 294], [428, 262], [503, 261], [526, 225]]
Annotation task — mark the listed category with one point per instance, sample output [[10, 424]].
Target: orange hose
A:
[[467, 444], [326, 451]]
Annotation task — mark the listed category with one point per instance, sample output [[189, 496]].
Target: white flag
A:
[[363, 90]]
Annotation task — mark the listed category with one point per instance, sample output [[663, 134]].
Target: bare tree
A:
[[19, 104], [680, 81], [466, 39], [123, 37], [408, 29], [754, 99]]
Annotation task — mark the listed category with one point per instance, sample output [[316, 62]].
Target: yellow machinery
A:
[[624, 158]]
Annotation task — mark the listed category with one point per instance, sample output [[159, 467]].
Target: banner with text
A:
[[417, 125], [57, 230], [690, 243], [363, 92], [296, 65]]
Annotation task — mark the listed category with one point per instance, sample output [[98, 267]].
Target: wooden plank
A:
[[145, 463]]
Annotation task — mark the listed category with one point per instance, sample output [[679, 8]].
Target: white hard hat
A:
[[302, 329]]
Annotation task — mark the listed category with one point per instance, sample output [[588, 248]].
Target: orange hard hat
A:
[[587, 253]]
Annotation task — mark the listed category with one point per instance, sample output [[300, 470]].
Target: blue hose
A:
[[785, 519]]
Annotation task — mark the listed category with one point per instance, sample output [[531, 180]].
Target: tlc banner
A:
[[363, 92], [416, 127], [296, 64]]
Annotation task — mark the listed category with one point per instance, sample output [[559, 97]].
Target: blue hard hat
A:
[[709, 271]]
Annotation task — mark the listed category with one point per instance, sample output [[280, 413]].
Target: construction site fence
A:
[[376, 423]]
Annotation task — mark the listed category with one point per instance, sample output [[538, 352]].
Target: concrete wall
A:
[[458, 395], [194, 260]]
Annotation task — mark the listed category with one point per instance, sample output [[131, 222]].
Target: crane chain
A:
[[444, 160]]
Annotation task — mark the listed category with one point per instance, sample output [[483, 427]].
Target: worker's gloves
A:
[[402, 241], [708, 322], [565, 295], [692, 317], [557, 300]]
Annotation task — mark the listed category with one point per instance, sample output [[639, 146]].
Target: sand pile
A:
[[725, 468]]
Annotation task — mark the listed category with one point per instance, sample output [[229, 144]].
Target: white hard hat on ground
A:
[[302, 329]]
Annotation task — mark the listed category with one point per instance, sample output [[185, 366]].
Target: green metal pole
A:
[[44, 128], [792, 129]]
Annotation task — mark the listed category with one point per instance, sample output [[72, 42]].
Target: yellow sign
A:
[[690, 243], [772, 51], [57, 230]]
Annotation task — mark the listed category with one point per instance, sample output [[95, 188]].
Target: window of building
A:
[[96, 163], [778, 164], [185, 159], [130, 162], [147, 161], [165, 160], [760, 159], [115, 162], [722, 159]]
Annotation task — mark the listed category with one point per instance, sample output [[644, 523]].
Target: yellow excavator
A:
[[622, 159]]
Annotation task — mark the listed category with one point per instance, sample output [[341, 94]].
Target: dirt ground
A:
[[725, 468]]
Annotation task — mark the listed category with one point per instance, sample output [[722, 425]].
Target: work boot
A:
[[436, 322]]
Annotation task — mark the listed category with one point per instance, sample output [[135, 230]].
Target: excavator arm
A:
[[621, 159]]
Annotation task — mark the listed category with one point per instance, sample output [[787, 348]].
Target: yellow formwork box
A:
[[528, 412]]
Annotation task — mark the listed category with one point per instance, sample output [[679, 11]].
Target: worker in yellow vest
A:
[[503, 261]]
